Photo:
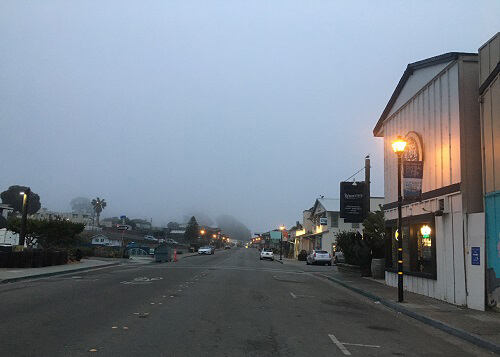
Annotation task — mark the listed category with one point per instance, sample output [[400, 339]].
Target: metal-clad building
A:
[[435, 107], [489, 91]]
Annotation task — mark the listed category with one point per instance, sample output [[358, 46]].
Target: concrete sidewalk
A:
[[481, 328], [10, 275]]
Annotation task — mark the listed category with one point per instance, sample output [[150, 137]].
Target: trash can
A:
[[163, 254]]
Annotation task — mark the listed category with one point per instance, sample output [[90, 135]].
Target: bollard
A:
[[175, 255]]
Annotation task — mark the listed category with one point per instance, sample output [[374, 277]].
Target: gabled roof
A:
[[329, 204], [447, 57]]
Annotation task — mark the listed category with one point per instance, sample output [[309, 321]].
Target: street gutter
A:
[[464, 335]]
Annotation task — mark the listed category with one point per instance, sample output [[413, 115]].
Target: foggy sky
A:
[[247, 108]]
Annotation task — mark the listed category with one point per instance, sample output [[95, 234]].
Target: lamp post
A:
[[24, 216], [282, 228], [399, 147]]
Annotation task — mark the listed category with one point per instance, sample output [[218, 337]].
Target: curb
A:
[[464, 335], [45, 275]]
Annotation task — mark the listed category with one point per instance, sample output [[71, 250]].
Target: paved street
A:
[[227, 304]]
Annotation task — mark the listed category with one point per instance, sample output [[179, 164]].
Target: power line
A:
[[354, 174]]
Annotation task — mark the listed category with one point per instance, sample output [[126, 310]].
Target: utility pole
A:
[[367, 185], [24, 217]]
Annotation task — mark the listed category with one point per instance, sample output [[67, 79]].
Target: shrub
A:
[[374, 232], [346, 241], [302, 256]]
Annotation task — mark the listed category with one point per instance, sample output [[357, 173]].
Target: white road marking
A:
[[359, 344], [301, 296], [142, 280], [340, 345]]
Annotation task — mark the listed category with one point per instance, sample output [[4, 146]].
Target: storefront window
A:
[[418, 245], [424, 248]]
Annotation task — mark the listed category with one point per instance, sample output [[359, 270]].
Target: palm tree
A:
[[98, 205]]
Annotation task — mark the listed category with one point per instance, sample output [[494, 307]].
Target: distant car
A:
[[267, 253], [339, 257], [171, 241], [319, 257], [227, 246], [205, 250]]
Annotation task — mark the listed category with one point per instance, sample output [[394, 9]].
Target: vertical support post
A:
[[400, 233], [281, 244], [24, 217], [367, 185]]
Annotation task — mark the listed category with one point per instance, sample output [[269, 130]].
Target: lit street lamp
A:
[[399, 147], [24, 215], [282, 228]]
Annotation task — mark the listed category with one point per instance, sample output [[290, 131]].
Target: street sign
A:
[[475, 255], [323, 221], [352, 202], [124, 227], [123, 217]]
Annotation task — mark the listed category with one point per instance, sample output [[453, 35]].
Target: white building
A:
[[322, 223], [101, 239], [45, 214], [435, 106], [8, 237], [5, 209]]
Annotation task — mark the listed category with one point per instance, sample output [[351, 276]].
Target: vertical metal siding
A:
[[434, 114], [489, 56]]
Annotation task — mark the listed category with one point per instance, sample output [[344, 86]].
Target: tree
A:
[[192, 231], [173, 225], [374, 232], [81, 205], [49, 234], [13, 197], [99, 205]]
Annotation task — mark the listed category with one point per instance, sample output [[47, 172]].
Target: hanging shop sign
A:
[[323, 221], [413, 172], [352, 202]]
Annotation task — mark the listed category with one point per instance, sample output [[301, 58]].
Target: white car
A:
[[319, 257], [205, 250], [266, 253], [171, 241]]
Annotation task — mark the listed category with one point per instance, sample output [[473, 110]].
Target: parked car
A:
[[205, 250], [339, 257], [302, 256], [319, 257], [227, 246], [171, 241], [267, 253]]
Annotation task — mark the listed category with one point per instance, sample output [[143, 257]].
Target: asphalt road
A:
[[227, 304]]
